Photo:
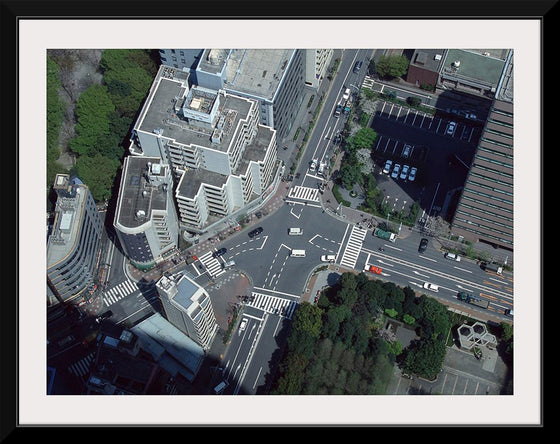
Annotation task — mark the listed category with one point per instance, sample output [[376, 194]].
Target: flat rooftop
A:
[[139, 197], [257, 72], [160, 114], [475, 65]]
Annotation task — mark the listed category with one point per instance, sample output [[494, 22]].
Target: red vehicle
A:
[[374, 269]]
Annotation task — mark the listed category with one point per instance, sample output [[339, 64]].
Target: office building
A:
[[73, 245], [145, 217], [273, 77], [188, 307], [485, 209], [316, 65], [222, 158]]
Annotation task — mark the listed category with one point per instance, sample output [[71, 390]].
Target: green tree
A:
[[307, 319], [436, 314], [55, 119], [98, 173], [94, 108], [425, 358], [363, 139], [292, 369], [392, 66]]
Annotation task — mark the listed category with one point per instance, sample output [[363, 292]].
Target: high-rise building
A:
[[73, 245], [221, 157], [316, 64], [145, 217], [485, 209], [188, 307], [273, 77]]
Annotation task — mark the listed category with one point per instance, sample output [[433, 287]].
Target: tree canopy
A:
[[392, 66]]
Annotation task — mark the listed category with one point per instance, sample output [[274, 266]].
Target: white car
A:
[[396, 171], [387, 167], [452, 256], [430, 286], [412, 174], [243, 325], [451, 128], [328, 258], [404, 171]]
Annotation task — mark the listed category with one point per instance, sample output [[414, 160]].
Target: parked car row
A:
[[406, 172]]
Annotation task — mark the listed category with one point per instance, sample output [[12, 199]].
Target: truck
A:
[[387, 235], [348, 106], [470, 299], [493, 268]]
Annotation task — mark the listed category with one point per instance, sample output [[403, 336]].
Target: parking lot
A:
[[475, 377], [439, 149]]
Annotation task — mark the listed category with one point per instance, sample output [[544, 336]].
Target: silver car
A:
[[396, 171]]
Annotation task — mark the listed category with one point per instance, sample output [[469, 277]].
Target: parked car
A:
[[412, 174], [452, 256], [387, 167], [451, 128], [423, 245], [255, 232], [396, 171], [431, 287], [406, 151], [404, 171]]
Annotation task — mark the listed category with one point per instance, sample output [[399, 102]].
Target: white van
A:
[[295, 231], [298, 253], [328, 258]]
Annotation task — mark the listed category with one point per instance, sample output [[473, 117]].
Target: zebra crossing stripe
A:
[[353, 247], [273, 304], [304, 193], [212, 264], [81, 367]]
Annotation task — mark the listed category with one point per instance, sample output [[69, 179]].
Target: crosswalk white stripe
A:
[[353, 247], [273, 304], [304, 193]]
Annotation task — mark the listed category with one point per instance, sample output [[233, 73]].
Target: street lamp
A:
[[388, 221]]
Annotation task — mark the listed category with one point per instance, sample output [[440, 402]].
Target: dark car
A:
[[357, 66], [219, 252], [255, 232], [103, 316], [423, 245]]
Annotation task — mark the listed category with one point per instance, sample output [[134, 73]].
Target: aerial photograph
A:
[[280, 221]]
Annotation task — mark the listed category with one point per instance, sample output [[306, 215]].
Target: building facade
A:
[[188, 307], [273, 77], [221, 157], [73, 245], [316, 65], [485, 209], [145, 218]]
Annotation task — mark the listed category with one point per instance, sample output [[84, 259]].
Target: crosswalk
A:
[[273, 304], [81, 368], [304, 193], [368, 82], [353, 247], [119, 291], [125, 289], [212, 264]]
